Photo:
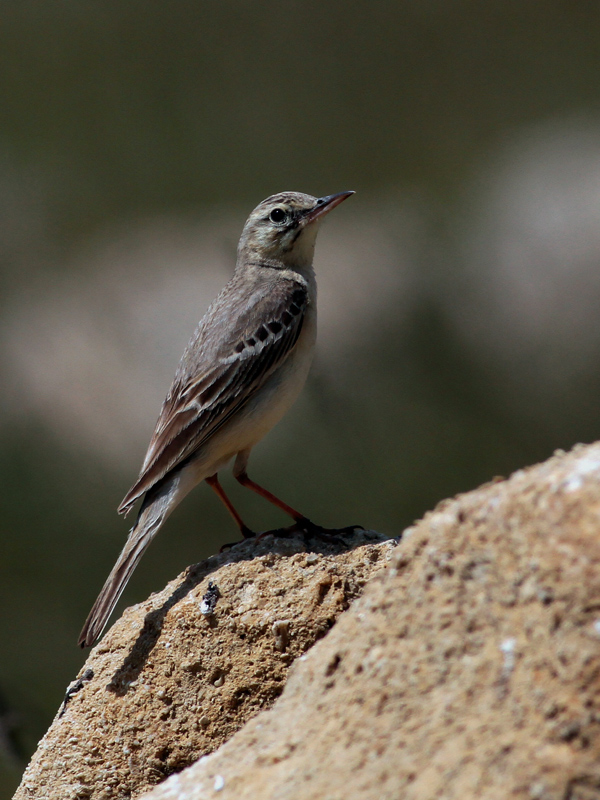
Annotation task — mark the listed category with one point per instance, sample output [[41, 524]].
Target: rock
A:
[[177, 675], [470, 669]]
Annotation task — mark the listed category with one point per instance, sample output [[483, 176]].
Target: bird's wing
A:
[[237, 346]]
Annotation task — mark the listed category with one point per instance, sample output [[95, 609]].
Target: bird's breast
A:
[[282, 388], [264, 410]]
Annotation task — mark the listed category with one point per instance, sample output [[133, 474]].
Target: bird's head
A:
[[281, 231]]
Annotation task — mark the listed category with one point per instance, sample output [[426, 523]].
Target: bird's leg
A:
[[302, 523], [260, 490], [214, 484]]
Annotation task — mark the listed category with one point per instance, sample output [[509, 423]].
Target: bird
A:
[[243, 368]]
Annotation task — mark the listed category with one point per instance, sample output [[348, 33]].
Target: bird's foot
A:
[[247, 533], [310, 530], [304, 526]]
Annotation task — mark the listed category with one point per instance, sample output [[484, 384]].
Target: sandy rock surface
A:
[[171, 684], [469, 669]]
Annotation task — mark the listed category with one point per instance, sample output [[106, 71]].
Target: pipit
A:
[[241, 371]]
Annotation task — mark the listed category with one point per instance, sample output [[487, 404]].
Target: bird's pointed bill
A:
[[325, 205]]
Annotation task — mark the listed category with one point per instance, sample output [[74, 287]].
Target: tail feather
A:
[[115, 584], [155, 509]]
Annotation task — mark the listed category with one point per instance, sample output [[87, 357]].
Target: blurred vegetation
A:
[[112, 111]]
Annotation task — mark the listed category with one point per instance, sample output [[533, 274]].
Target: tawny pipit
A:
[[243, 368]]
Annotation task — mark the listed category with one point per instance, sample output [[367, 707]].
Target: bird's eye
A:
[[277, 215]]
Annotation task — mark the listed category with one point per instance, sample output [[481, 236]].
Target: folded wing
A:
[[243, 338]]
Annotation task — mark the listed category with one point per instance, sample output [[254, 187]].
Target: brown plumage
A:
[[242, 369], [216, 378]]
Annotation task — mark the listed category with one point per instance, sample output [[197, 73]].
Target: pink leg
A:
[[214, 484]]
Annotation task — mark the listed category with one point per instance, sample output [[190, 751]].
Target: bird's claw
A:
[[304, 526], [311, 529], [247, 533]]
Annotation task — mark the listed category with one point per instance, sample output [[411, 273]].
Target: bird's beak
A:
[[325, 205]]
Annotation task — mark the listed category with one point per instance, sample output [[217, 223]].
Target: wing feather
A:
[[239, 343]]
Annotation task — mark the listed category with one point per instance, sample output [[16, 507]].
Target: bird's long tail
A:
[[157, 505]]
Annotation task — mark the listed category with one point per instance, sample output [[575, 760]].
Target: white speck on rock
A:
[[537, 791], [587, 465], [507, 647], [219, 783]]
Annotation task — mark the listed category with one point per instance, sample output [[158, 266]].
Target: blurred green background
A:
[[460, 286]]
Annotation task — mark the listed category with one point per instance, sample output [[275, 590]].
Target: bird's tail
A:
[[154, 511]]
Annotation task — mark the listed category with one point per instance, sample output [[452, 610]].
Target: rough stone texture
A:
[[470, 669], [170, 684]]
